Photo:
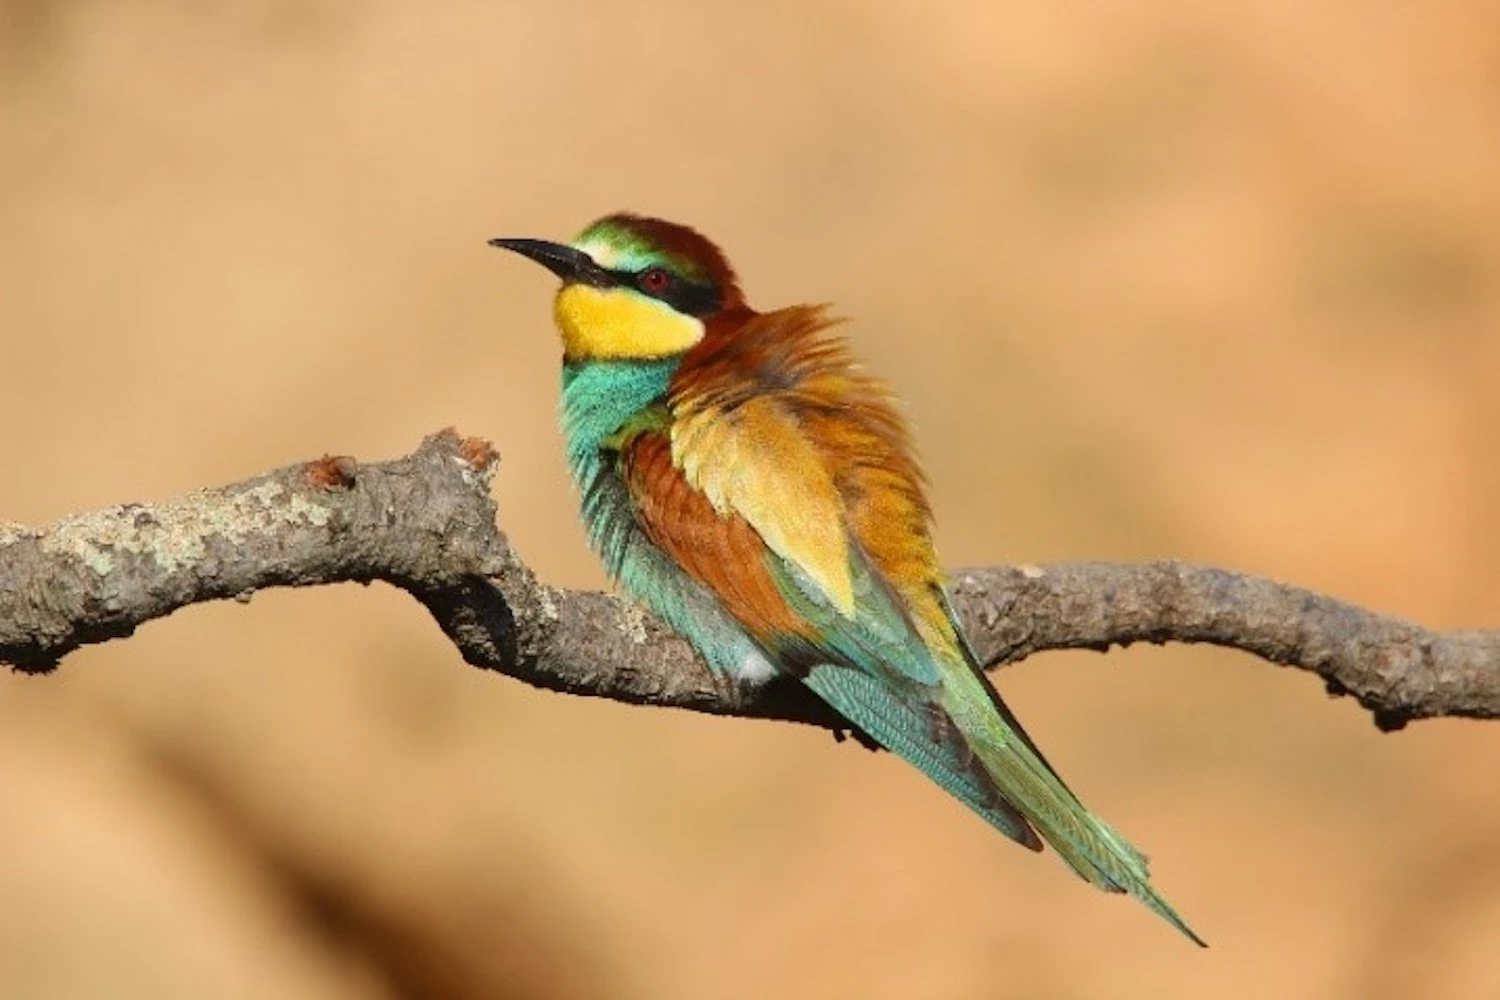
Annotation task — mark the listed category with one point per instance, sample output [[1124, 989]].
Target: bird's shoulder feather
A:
[[775, 421]]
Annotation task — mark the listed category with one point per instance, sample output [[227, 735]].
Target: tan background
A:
[[1158, 278]]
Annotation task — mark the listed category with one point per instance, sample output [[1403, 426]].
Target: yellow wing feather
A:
[[757, 462], [775, 422]]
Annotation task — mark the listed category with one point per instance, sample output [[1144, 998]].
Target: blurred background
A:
[[1218, 281]]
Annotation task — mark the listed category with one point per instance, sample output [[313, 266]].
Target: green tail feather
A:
[[1090, 846], [937, 710], [1030, 793], [904, 730]]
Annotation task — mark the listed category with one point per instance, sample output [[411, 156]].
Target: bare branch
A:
[[426, 524]]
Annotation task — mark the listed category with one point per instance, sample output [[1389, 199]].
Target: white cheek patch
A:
[[754, 668]]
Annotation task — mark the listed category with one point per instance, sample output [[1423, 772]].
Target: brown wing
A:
[[775, 421], [723, 552]]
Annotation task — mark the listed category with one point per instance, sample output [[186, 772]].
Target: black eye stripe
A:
[[690, 297]]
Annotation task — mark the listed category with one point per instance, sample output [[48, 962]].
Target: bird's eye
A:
[[655, 280]]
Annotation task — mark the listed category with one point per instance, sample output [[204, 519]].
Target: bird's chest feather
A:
[[603, 403]]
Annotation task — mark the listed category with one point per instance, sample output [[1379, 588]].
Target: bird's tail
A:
[[1022, 775]]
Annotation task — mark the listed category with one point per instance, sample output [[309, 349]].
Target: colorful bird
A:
[[743, 476]]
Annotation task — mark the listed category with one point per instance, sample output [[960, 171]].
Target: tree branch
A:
[[426, 523]]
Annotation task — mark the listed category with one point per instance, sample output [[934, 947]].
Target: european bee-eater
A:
[[746, 479]]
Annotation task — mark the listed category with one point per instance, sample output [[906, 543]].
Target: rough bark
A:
[[426, 523]]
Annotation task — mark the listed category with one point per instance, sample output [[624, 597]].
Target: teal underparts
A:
[[598, 399]]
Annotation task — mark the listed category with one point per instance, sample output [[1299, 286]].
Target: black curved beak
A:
[[571, 265]]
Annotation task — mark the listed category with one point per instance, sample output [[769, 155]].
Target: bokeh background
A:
[[1158, 278]]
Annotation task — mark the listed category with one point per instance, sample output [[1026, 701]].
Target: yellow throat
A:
[[620, 323]]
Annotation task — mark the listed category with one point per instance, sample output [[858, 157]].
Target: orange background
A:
[[1214, 281]]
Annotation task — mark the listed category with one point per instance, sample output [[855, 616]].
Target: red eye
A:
[[655, 280]]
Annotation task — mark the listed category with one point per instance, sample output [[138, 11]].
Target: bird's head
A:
[[634, 287]]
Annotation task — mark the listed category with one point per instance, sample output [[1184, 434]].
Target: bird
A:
[[745, 477]]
